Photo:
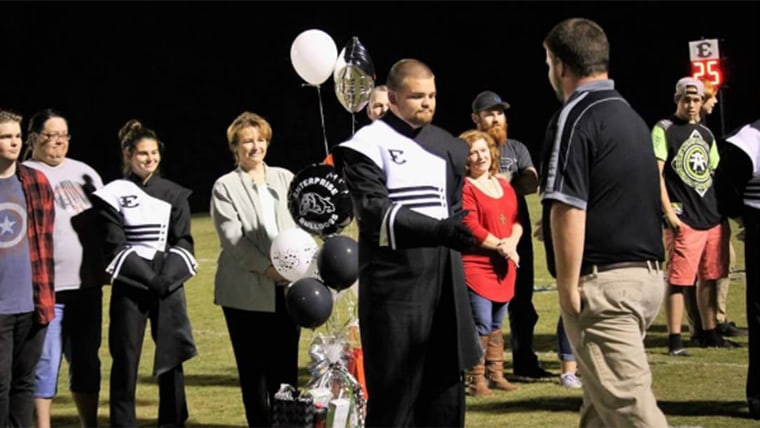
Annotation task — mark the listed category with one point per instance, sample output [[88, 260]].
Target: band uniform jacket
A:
[[147, 233], [402, 182]]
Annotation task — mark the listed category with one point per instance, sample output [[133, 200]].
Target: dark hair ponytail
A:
[[129, 135]]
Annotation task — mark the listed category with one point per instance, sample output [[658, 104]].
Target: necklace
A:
[[488, 185]]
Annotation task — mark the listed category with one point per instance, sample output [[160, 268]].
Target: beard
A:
[[421, 118], [498, 133]]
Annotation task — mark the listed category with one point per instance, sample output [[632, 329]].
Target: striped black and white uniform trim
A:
[[187, 257], [415, 178], [146, 220], [748, 140]]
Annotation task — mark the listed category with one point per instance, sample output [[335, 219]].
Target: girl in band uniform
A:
[[146, 221]]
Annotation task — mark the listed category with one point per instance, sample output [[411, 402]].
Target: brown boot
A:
[[477, 384], [495, 362]]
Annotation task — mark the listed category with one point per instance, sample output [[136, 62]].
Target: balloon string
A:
[[322, 116], [353, 124]]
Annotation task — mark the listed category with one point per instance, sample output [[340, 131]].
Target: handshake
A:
[[452, 233]]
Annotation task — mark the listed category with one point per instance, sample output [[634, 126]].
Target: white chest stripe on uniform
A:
[[415, 178], [748, 140], [146, 218]]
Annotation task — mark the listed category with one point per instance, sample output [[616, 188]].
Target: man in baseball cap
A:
[[516, 165], [488, 114], [687, 155], [689, 86], [488, 100]]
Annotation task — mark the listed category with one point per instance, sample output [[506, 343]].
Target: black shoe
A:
[[720, 343], [697, 340], [678, 352], [730, 329], [754, 408], [535, 372]]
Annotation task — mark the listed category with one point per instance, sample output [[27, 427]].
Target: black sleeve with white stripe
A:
[[179, 263], [125, 264]]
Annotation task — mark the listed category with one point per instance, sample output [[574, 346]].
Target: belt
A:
[[650, 264]]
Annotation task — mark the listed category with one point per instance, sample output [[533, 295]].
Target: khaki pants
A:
[[608, 340]]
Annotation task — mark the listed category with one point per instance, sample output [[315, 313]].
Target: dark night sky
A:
[[187, 69]]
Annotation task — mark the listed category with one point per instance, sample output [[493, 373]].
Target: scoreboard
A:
[[705, 61]]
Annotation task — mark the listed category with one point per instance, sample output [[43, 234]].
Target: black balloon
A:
[[309, 302], [338, 262], [354, 76], [319, 201]]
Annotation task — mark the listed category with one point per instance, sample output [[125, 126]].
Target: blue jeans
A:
[[488, 315], [76, 333], [565, 351], [21, 340], [46, 373]]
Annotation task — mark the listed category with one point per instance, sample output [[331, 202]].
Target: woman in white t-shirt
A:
[[76, 330]]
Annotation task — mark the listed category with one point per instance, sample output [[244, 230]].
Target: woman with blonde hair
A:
[[249, 208], [711, 99]]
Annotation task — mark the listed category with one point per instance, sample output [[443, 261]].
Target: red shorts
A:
[[695, 254]]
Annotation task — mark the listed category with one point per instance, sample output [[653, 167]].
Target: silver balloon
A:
[[354, 76]]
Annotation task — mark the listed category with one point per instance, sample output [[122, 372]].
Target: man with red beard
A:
[[516, 165]]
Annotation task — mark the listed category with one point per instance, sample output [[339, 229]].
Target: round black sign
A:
[[319, 201]]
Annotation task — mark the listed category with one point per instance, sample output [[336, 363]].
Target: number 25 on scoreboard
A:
[[707, 70], [705, 61]]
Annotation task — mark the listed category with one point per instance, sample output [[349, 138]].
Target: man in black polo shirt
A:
[[601, 220]]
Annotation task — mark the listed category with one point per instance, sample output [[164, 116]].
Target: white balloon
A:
[[313, 54], [292, 253]]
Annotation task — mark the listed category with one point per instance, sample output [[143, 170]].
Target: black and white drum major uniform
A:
[[737, 183], [150, 248], [414, 311]]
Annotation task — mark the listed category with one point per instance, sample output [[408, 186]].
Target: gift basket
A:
[[323, 298], [337, 375], [335, 395]]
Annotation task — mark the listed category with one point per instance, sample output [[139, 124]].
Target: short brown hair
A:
[[581, 45], [405, 68], [9, 116], [244, 120]]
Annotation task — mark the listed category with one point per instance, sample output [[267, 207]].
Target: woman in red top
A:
[[489, 269]]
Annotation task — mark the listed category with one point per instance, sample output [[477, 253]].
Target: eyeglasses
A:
[[56, 136]]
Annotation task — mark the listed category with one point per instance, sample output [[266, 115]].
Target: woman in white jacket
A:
[[249, 208]]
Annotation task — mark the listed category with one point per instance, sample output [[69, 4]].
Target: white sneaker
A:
[[569, 380]]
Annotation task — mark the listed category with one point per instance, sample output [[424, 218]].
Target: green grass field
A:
[[704, 390]]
